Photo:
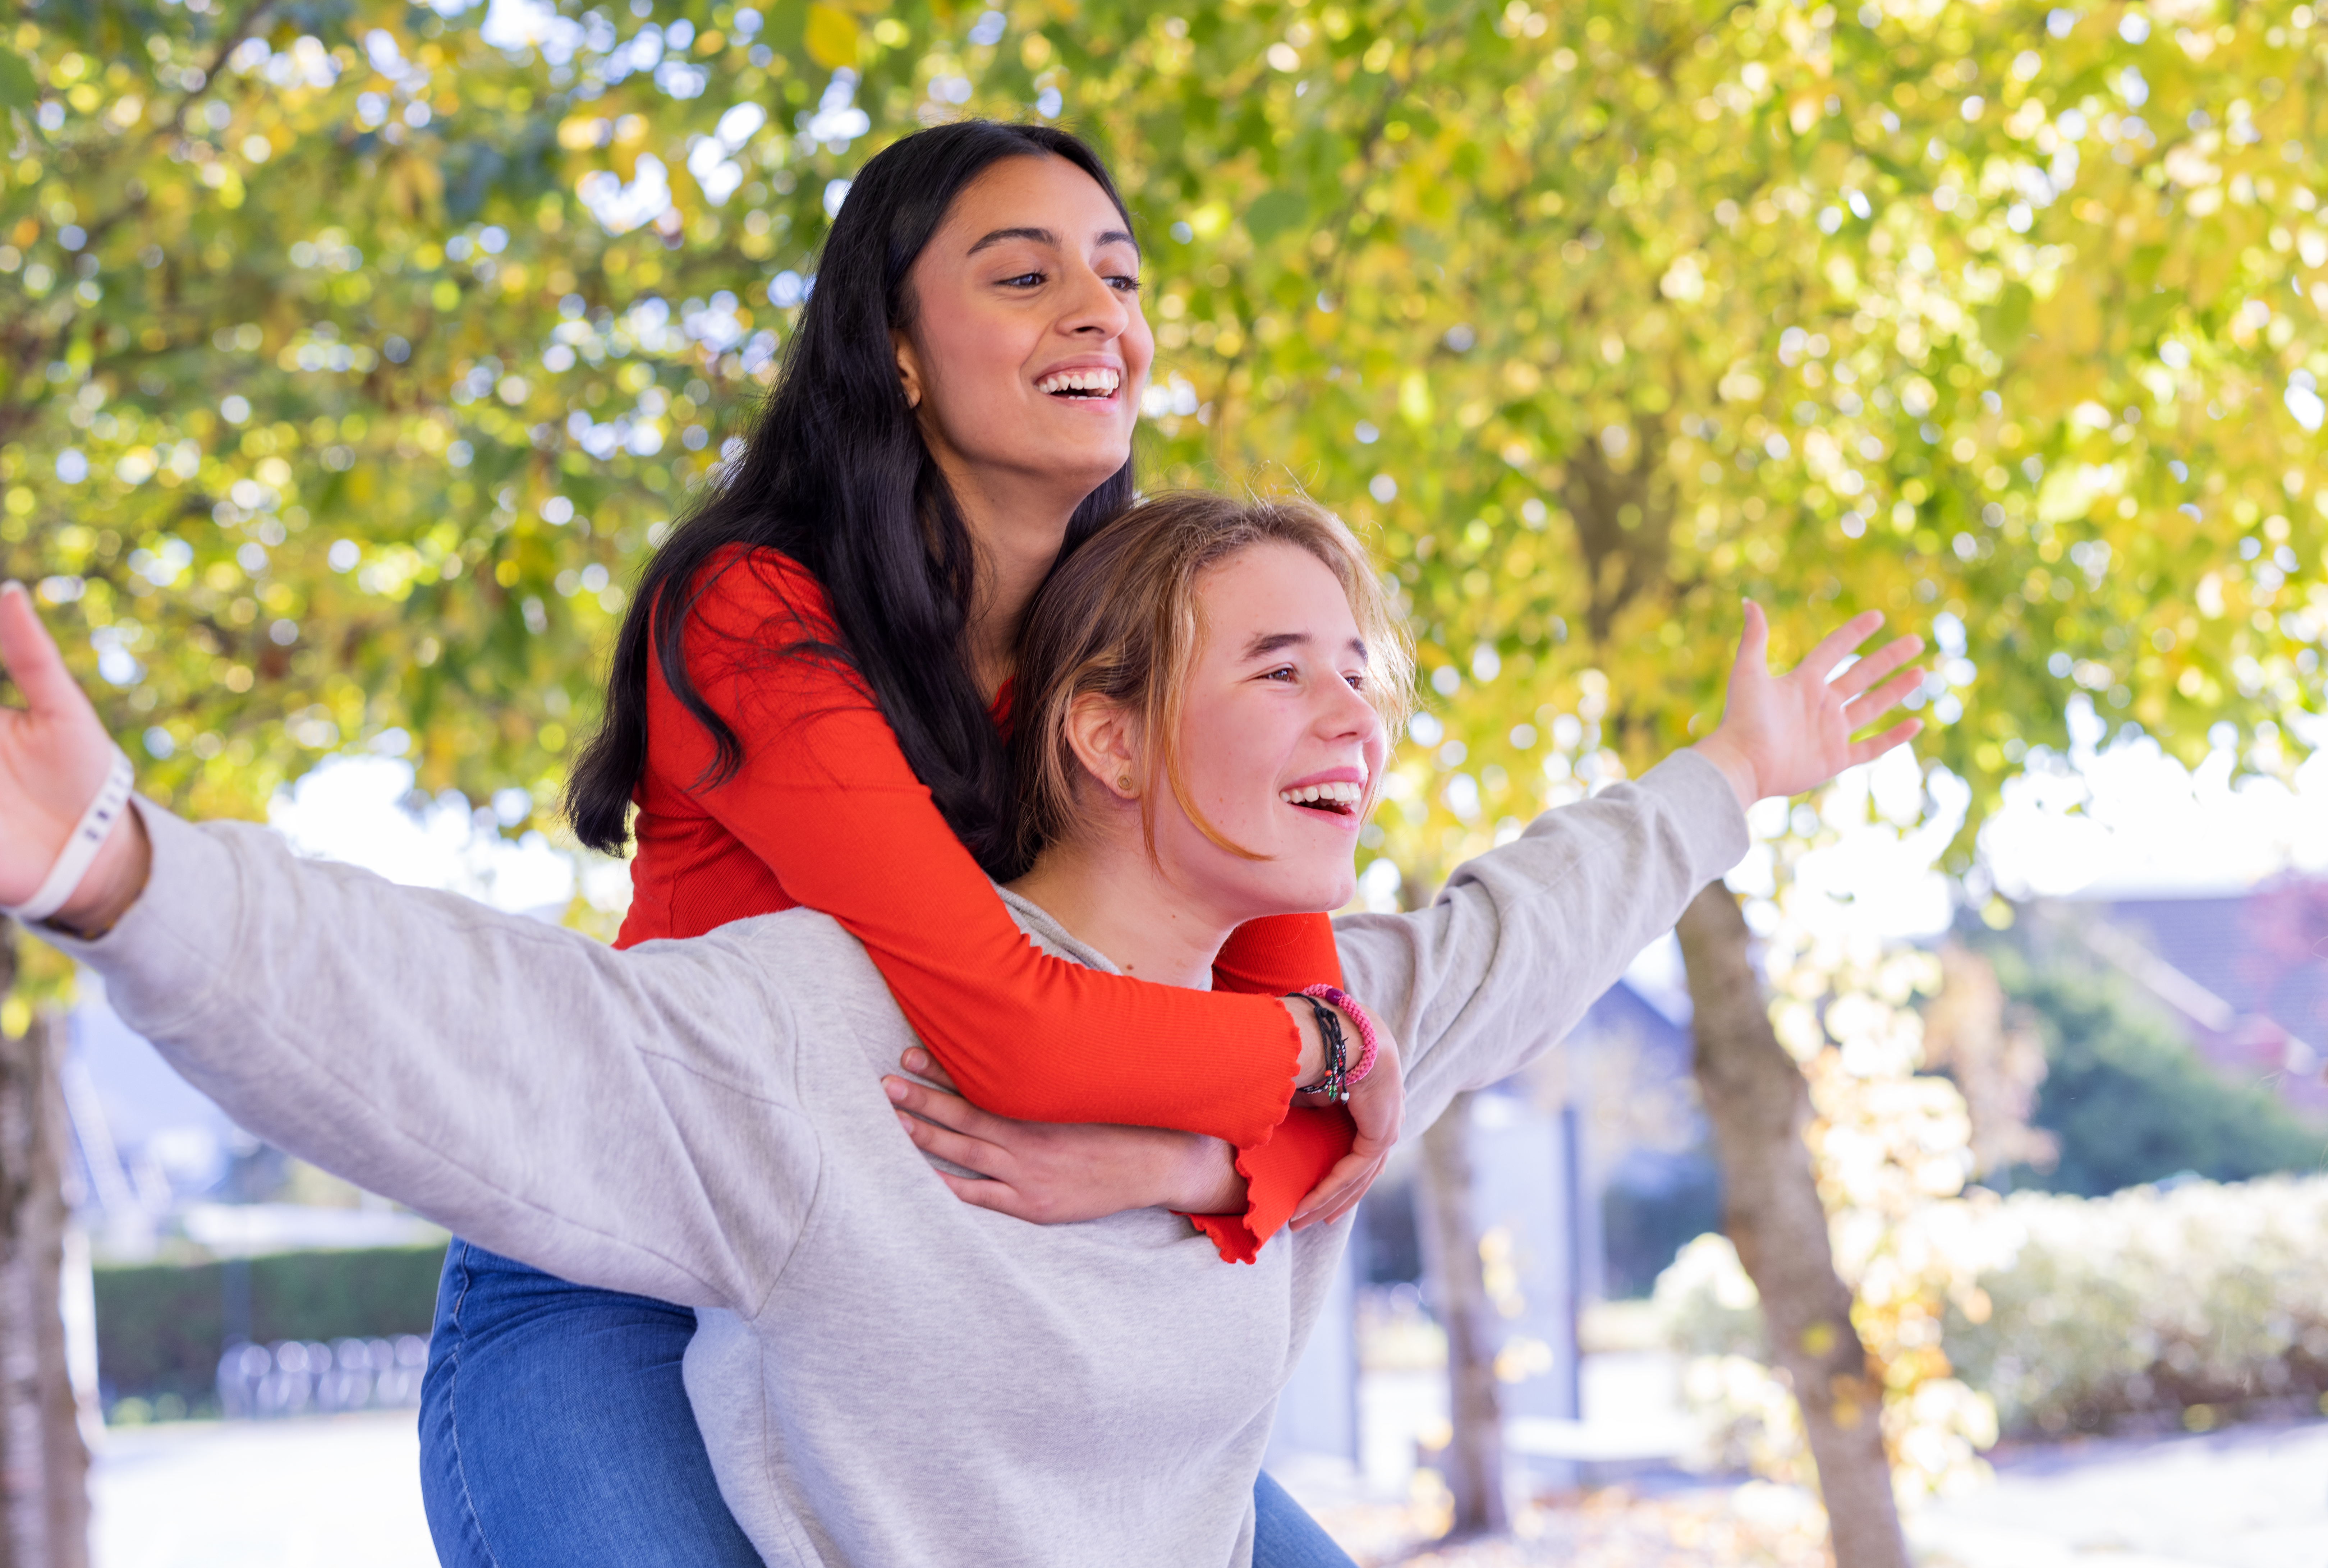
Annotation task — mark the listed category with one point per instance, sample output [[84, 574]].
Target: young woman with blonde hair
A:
[[885, 1374]]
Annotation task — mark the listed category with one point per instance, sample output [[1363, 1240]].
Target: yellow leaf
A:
[[1414, 399], [1683, 280], [831, 37]]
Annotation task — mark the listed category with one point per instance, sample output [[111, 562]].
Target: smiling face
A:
[[1027, 350], [1280, 744], [1206, 689]]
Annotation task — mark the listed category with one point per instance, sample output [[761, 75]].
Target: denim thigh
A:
[[1284, 1536], [554, 1431]]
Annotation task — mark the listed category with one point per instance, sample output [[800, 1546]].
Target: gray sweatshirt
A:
[[886, 1376]]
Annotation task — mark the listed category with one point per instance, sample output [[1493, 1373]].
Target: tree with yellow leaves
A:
[[351, 358]]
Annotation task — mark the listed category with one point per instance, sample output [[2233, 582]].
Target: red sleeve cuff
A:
[[1278, 1174]]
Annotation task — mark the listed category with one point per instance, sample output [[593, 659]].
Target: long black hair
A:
[[836, 475]]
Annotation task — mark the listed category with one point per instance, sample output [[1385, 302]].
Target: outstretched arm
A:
[[541, 1094], [1524, 938]]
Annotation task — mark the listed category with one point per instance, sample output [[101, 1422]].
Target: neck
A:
[[1017, 530], [1112, 894]]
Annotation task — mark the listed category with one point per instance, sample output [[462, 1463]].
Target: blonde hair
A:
[[1120, 618]]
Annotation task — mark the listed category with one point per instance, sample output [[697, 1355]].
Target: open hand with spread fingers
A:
[[63, 789], [1781, 734]]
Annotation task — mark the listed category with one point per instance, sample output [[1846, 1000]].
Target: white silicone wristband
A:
[[80, 848]]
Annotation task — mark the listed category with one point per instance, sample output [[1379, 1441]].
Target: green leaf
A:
[[2008, 318], [1275, 211], [18, 90]]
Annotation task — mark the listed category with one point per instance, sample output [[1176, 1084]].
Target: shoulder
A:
[[810, 967], [741, 588], [800, 934], [755, 620], [779, 948], [746, 568]]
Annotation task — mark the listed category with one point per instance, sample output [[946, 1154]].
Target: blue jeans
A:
[[555, 1433]]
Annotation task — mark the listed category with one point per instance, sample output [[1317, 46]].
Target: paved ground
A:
[[2246, 1498], [342, 1492], [338, 1491]]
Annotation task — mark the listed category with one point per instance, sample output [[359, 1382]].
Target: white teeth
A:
[[1094, 381], [1346, 794]]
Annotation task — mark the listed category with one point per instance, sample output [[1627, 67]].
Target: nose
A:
[[1347, 716], [1097, 309]]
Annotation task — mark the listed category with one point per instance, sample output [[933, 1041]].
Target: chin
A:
[[1316, 895], [1080, 472], [1105, 460]]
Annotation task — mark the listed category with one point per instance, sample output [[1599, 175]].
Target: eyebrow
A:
[[1269, 643], [1045, 237]]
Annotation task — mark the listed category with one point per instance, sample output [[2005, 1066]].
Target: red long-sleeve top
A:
[[825, 812]]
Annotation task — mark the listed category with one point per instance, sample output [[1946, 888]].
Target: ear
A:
[[1105, 740], [909, 368]]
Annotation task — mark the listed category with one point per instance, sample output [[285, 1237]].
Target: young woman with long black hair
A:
[[807, 706]]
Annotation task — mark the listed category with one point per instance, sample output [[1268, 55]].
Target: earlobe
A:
[[909, 379], [1100, 734]]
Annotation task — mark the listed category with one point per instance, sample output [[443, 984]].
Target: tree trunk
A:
[[44, 1463], [1459, 1288], [1758, 1105]]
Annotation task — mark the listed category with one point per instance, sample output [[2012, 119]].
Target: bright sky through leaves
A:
[[356, 356]]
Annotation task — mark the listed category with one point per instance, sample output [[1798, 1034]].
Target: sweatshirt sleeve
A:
[[519, 1084], [826, 801], [1524, 939]]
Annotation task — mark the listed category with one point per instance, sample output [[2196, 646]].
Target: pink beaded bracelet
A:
[[1333, 995]]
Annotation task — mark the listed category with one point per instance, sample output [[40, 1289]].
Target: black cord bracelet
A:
[[1335, 1085]]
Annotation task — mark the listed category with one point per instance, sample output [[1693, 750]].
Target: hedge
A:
[[2175, 1304], [2186, 1301], [160, 1327]]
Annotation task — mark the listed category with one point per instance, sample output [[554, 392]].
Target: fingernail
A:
[[917, 1058], [896, 1088], [905, 1120]]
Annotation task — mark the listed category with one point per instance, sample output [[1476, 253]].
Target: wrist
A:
[[1309, 1065], [1359, 1040], [1333, 1026], [1731, 762], [1206, 1178], [113, 881]]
